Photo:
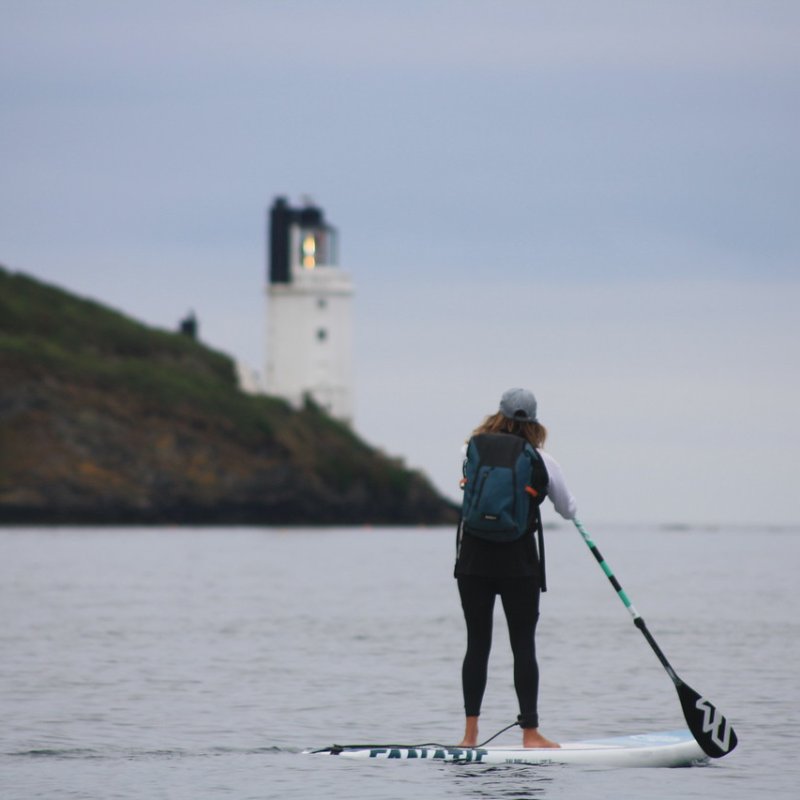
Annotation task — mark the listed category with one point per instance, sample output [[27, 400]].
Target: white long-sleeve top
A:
[[560, 496]]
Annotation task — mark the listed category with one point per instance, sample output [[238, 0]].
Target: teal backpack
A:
[[504, 483]]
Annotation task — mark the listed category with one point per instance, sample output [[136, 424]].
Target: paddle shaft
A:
[[637, 618]]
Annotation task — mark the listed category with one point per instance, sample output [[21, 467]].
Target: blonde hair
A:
[[534, 432]]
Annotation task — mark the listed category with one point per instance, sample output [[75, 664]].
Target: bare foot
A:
[[532, 738], [470, 733]]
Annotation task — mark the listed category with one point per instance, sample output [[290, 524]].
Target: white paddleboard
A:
[[668, 749]]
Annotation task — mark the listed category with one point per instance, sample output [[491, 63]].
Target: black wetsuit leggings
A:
[[520, 597]]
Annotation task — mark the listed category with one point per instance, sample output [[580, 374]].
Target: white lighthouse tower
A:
[[309, 312]]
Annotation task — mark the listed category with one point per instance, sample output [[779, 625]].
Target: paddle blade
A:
[[711, 730]]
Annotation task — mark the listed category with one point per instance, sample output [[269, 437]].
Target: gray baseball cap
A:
[[519, 404]]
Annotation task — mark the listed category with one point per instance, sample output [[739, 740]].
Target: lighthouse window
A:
[[322, 303], [317, 247], [309, 251], [322, 334]]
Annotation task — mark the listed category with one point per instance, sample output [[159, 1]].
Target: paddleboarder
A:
[[512, 568]]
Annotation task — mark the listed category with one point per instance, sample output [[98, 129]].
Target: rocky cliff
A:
[[105, 420]]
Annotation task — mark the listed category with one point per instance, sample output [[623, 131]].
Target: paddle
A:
[[711, 730]]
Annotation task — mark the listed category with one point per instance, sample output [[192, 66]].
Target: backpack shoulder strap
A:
[[539, 484]]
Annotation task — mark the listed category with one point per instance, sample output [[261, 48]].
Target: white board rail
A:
[[666, 749]]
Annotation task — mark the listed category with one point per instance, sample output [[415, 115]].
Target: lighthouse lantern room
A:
[[309, 312]]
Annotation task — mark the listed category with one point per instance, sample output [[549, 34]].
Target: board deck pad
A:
[[667, 749]]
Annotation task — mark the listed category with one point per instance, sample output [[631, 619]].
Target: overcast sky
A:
[[594, 200]]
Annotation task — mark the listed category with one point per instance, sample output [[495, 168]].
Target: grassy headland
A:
[[106, 420]]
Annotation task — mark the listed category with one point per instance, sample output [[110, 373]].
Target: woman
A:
[[511, 569]]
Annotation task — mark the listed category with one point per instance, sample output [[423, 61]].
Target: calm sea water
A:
[[199, 663]]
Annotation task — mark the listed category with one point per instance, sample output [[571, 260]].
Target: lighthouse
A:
[[309, 312]]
